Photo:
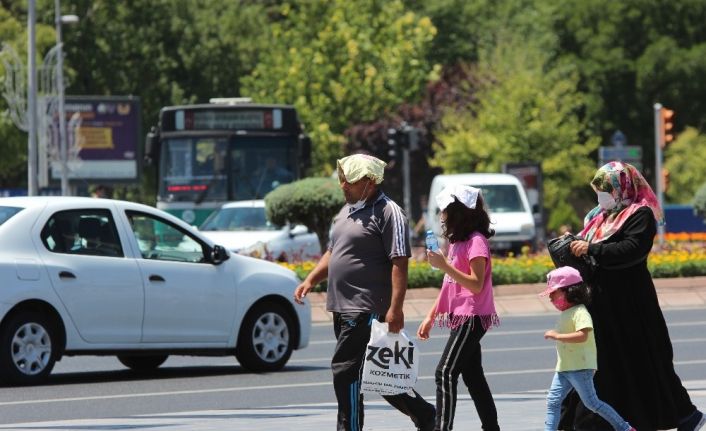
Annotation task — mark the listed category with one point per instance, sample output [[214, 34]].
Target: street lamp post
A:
[[32, 171], [63, 146]]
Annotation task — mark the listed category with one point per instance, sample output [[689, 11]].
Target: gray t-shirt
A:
[[362, 246]]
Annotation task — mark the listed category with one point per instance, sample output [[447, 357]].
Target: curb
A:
[[523, 298]]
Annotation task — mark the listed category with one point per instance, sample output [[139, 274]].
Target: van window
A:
[[502, 198]]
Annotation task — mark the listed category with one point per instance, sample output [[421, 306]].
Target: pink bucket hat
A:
[[561, 277]]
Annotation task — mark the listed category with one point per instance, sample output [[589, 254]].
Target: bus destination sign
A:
[[219, 119]]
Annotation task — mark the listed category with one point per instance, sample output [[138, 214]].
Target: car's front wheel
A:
[[27, 348], [265, 342], [142, 363]]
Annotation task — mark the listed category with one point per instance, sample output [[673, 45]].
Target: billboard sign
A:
[[105, 141]]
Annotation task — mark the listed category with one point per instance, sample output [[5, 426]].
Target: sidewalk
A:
[[523, 299]]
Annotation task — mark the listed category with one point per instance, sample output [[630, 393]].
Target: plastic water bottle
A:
[[432, 243]]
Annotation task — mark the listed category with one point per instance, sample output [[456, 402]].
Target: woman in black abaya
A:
[[635, 370]]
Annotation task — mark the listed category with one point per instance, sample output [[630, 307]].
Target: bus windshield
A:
[[217, 169]]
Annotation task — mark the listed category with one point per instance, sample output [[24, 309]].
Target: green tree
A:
[[468, 27], [312, 202], [165, 51], [525, 111], [631, 54], [685, 159], [341, 62]]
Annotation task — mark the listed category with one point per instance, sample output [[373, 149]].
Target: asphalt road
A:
[[516, 359]]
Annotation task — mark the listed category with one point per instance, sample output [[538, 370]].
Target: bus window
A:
[[194, 169], [258, 167]]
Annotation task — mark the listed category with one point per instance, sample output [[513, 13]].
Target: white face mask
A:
[[606, 201], [361, 202]]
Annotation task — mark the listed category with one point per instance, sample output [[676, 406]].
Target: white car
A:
[[86, 276], [242, 227]]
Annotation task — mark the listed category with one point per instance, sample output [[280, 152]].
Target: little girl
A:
[[465, 304], [576, 349]]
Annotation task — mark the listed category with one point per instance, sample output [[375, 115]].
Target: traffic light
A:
[[393, 143], [667, 116]]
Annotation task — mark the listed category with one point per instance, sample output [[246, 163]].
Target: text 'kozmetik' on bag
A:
[[391, 362]]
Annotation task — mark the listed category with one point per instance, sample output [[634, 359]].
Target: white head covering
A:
[[467, 195], [356, 167]]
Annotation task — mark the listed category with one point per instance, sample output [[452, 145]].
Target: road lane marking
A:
[[548, 346], [540, 331], [264, 388]]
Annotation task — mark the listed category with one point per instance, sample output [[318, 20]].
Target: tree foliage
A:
[[341, 62], [574, 70], [453, 88], [631, 54], [312, 202], [685, 159], [469, 27], [525, 112], [163, 51]]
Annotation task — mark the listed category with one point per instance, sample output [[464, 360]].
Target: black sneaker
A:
[[429, 424], [694, 423]]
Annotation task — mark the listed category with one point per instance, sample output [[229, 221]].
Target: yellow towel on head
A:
[[356, 167]]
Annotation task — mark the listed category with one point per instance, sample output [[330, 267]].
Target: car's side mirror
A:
[[219, 255]]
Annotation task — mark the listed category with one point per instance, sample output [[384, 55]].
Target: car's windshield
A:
[[239, 218], [502, 198], [7, 212]]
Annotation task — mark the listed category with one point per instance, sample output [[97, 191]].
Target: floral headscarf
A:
[[629, 189]]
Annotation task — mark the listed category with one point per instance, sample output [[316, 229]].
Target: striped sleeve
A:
[[395, 230]]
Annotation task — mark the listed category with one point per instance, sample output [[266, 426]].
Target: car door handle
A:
[[156, 278], [66, 274]]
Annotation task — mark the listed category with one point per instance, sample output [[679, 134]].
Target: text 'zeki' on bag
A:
[[391, 362]]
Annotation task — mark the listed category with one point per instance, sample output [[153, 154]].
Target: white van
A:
[[506, 200]]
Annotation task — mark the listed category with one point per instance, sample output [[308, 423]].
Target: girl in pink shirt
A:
[[465, 304]]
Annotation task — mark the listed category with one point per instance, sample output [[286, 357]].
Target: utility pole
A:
[[32, 189], [659, 187]]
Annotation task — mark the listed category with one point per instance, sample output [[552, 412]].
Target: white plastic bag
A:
[[391, 362]]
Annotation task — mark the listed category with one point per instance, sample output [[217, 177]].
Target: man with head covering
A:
[[366, 267], [635, 361]]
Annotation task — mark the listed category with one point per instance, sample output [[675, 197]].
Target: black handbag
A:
[[560, 252]]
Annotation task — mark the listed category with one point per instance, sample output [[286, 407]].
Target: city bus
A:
[[227, 150]]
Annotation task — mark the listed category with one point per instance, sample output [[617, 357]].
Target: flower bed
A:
[[678, 258]]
